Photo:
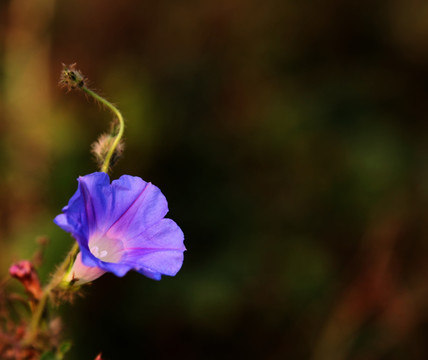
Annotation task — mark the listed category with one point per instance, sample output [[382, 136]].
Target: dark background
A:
[[290, 139]]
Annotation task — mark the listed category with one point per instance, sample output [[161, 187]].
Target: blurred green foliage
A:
[[290, 138]]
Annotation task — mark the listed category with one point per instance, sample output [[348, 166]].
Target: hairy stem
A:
[[56, 279], [106, 165], [73, 79]]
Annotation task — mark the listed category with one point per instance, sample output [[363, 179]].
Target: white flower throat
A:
[[96, 252], [106, 249]]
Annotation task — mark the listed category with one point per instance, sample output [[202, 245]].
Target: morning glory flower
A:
[[120, 226]]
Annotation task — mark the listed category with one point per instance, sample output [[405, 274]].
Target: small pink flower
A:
[[24, 271]]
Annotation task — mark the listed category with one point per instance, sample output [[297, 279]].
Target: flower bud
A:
[[101, 147], [71, 78], [24, 271]]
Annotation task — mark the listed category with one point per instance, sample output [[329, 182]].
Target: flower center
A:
[[106, 249]]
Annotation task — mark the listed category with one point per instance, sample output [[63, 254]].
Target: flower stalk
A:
[[118, 137], [55, 281], [107, 153]]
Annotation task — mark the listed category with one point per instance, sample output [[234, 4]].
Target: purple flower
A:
[[121, 227]]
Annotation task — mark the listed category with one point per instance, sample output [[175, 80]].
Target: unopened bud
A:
[[24, 271], [71, 78], [101, 147]]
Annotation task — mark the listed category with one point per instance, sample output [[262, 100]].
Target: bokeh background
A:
[[291, 141]]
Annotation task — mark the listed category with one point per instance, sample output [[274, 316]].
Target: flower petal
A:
[[63, 222], [93, 189], [119, 269], [157, 250], [73, 220], [138, 205]]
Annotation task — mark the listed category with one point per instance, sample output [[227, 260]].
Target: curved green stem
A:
[[119, 135], [56, 279]]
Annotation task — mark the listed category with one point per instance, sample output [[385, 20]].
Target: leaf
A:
[[48, 355], [64, 347]]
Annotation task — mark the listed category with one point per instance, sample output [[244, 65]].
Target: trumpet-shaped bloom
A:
[[121, 227]]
